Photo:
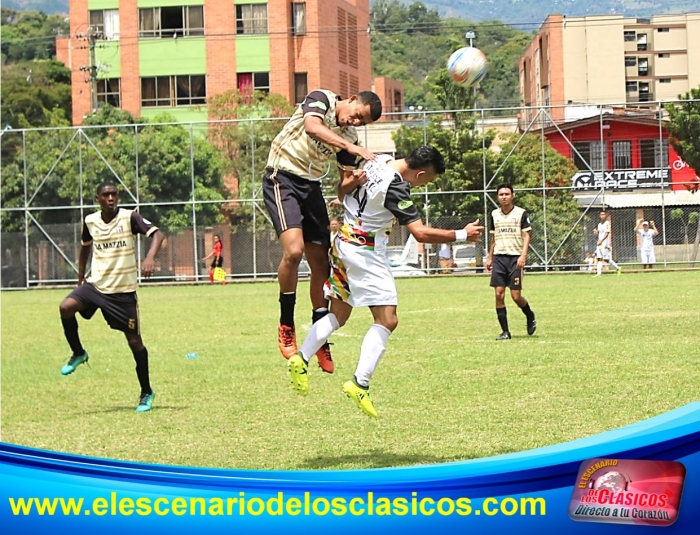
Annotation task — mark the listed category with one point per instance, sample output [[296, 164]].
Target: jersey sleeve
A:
[[346, 161], [398, 202], [525, 225], [140, 225], [85, 237], [316, 104]]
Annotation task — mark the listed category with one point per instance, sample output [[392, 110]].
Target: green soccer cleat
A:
[[619, 272], [298, 374], [361, 398], [145, 402], [74, 362]]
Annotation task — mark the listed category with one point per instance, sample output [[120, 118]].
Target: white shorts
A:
[[603, 253], [359, 276], [648, 256]]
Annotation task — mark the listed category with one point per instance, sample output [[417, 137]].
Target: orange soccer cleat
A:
[[287, 341], [325, 361]]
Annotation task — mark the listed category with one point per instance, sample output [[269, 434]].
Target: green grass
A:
[[608, 352]]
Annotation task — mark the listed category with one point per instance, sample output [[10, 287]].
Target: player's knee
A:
[[293, 254], [65, 309], [135, 342], [391, 323]]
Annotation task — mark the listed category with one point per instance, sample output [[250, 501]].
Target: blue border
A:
[[549, 473]]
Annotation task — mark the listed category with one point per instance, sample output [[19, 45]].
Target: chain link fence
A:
[[197, 180]]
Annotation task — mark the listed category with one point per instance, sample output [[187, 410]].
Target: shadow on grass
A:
[[132, 408], [372, 459]]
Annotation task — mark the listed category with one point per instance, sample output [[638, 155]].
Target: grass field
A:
[[608, 352]]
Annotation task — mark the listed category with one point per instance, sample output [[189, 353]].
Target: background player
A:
[[510, 241], [322, 125], [110, 235], [361, 275]]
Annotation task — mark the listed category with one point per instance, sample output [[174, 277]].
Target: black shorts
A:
[[506, 273], [217, 262], [120, 311], [295, 202]]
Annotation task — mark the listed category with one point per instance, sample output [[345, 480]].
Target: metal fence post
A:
[[194, 212]]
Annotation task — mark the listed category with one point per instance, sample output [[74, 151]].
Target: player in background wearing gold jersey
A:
[[510, 241], [322, 126], [110, 235]]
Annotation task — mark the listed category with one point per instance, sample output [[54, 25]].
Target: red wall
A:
[[624, 131]]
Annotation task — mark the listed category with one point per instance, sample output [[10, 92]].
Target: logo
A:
[[623, 491], [319, 105], [405, 204], [622, 179]]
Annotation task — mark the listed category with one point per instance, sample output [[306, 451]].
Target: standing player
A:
[[647, 235], [322, 125], [110, 235], [361, 276], [603, 252], [510, 241], [218, 261]]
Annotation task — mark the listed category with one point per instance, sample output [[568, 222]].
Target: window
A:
[[663, 30], [342, 39], [352, 41], [630, 36], [171, 21], [253, 81], [630, 61], [643, 69], [170, 91], [353, 85], [622, 154], [654, 153], [590, 154], [664, 80], [299, 18], [301, 86], [108, 91], [104, 24], [641, 42], [644, 95], [251, 19], [631, 87], [343, 79], [664, 55]]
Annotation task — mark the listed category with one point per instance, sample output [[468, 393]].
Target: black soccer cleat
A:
[[505, 335], [531, 325]]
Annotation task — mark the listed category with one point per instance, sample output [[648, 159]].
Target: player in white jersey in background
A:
[[646, 235], [110, 235], [603, 252], [360, 272]]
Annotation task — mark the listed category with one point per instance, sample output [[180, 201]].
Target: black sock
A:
[[526, 310], [318, 314], [287, 303], [70, 329], [141, 358], [503, 318]]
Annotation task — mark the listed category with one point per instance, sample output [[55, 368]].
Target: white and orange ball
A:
[[467, 66]]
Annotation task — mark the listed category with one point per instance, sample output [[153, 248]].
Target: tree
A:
[[523, 169], [692, 218], [684, 129], [29, 35]]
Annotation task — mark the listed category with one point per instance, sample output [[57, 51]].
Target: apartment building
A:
[[610, 59], [151, 56]]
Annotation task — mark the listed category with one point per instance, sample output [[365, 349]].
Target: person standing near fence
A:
[[218, 261], [647, 235], [110, 235], [323, 125], [510, 242]]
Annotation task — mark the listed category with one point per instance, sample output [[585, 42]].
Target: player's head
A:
[[504, 194], [361, 109], [424, 164], [334, 225], [108, 197], [603, 216], [645, 225]]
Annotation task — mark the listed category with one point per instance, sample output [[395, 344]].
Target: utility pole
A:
[[93, 70]]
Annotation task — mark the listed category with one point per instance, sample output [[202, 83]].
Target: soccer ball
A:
[[467, 66]]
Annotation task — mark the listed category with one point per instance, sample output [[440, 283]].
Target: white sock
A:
[[614, 264], [319, 333], [599, 268], [372, 351]]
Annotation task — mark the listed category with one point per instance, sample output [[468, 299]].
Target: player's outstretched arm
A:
[[313, 125], [423, 234]]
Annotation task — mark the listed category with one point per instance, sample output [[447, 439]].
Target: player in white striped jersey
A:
[[360, 272], [646, 236], [110, 235]]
